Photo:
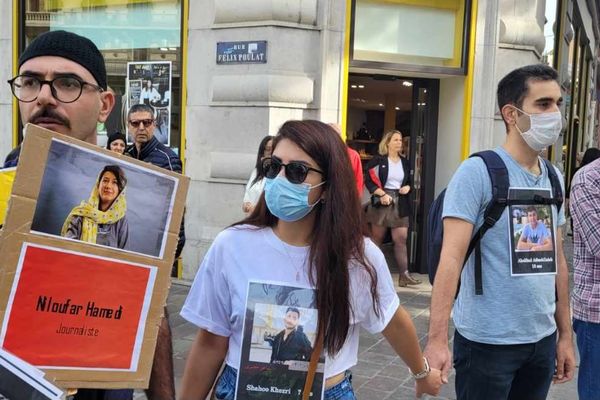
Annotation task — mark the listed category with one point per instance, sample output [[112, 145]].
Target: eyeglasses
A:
[[295, 172], [146, 122], [65, 89]]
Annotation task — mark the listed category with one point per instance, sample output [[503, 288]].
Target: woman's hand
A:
[[404, 189], [430, 384], [386, 200]]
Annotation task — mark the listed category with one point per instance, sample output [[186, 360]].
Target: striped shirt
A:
[[585, 211]]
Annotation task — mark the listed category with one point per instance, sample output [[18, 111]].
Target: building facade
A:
[[230, 72]]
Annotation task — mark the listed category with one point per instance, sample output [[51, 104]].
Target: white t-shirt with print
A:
[[216, 301]]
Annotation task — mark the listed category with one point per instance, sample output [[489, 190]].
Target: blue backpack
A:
[[500, 185]]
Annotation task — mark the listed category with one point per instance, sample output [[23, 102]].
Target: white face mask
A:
[[544, 129]]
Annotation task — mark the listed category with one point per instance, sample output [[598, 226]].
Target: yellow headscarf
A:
[[92, 215]]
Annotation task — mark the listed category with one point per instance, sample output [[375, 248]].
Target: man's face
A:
[[542, 97], [532, 218], [77, 119], [144, 131], [291, 319]]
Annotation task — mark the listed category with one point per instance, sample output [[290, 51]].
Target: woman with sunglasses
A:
[[305, 231], [388, 178]]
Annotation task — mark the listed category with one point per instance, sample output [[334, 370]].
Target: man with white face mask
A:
[[515, 338]]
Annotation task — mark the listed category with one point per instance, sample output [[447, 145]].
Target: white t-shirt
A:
[[253, 192], [216, 301], [395, 175]]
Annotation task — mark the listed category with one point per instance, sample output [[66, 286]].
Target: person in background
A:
[[305, 231], [585, 211], [389, 178], [585, 158], [256, 183], [355, 163], [117, 142]]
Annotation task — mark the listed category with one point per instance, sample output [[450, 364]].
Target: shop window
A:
[[424, 33], [140, 40]]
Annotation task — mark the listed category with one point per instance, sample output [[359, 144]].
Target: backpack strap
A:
[[557, 193], [500, 185]]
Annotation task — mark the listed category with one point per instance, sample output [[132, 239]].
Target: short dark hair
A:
[[590, 155], [531, 209], [140, 108], [513, 88], [293, 309]]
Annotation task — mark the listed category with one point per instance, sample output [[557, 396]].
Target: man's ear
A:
[[509, 114], [107, 102]]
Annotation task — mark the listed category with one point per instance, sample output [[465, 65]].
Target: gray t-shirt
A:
[[512, 310]]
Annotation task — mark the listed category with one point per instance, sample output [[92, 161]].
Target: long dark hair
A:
[[338, 233], [260, 174]]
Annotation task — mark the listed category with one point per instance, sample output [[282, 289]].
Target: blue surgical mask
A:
[[288, 201]]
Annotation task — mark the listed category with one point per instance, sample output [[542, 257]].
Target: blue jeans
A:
[[503, 372], [588, 344], [225, 388]]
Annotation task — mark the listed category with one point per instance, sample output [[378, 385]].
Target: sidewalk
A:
[[380, 374]]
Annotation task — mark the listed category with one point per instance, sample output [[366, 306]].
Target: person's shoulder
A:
[[238, 233], [12, 159]]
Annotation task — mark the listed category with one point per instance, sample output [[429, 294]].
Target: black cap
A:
[[115, 136], [70, 46]]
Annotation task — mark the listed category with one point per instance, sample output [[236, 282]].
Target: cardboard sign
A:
[[78, 304], [86, 261], [280, 330], [7, 177]]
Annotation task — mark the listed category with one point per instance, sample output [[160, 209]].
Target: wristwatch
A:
[[422, 374]]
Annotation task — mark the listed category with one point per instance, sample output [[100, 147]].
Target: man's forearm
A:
[[442, 298]]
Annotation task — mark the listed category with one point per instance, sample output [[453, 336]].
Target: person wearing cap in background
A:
[[117, 142], [62, 86]]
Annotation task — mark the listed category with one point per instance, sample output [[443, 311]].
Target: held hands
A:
[[439, 357], [386, 200], [431, 384]]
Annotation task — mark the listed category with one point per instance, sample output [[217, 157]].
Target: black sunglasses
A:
[[295, 172], [146, 122]]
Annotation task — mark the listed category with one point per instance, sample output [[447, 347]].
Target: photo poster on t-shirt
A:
[[532, 232], [149, 82], [280, 329]]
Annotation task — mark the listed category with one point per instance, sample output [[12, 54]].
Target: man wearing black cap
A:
[[62, 86]]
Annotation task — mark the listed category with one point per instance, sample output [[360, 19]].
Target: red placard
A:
[[70, 310]]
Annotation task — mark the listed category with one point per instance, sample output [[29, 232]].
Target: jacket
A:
[[12, 159], [156, 153], [295, 347], [376, 177]]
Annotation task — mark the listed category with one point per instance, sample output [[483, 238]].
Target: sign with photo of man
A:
[[150, 83], [532, 230]]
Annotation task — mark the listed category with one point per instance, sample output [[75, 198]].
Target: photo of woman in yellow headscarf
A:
[[102, 218]]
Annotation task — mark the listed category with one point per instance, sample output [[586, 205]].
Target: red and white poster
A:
[[73, 310]]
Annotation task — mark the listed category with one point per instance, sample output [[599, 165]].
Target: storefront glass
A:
[[141, 44], [391, 31]]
